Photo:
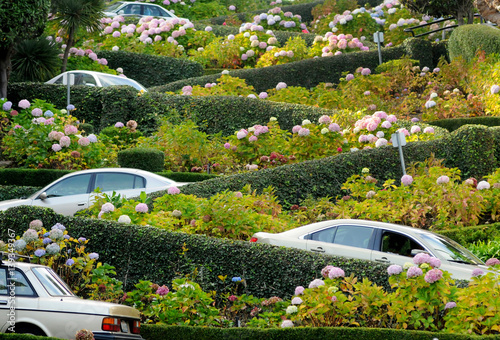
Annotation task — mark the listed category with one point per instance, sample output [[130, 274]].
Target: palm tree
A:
[[35, 60], [73, 15]]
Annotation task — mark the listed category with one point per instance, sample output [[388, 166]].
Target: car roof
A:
[[323, 224]]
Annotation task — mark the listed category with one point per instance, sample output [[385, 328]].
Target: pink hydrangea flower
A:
[[263, 95], [299, 290], [252, 139], [241, 134], [70, 129], [349, 77], [84, 141], [227, 145], [238, 194], [24, 104], [173, 191], [415, 129], [429, 129], [324, 119], [316, 283], [406, 180], [297, 301], [65, 141], [434, 262], [477, 272], [483, 185], [394, 269], [303, 132], [450, 304], [141, 208], [281, 85], [421, 258], [334, 127], [433, 275], [162, 291], [36, 112], [443, 179], [287, 324], [392, 119], [56, 147], [119, 125], [386, 124], [336, 272], [492, 262], [107, 207], [365, 71], [296, 128], [413, 271], [495, 89]]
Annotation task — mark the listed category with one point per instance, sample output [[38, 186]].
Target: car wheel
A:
[[29, 329]]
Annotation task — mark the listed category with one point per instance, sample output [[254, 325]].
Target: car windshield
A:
[[451, 250], [113, 7], [108, 81], [52, 283]]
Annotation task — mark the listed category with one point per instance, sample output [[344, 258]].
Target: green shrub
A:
[[30, 177], [466, 40], [142, 158], [160, 332], [147, 253], [9, 192], [470, 149], [151, 70], [452, 124]]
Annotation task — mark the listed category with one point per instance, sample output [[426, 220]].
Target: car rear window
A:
[[52, 283]]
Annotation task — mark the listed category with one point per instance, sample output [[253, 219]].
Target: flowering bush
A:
[[276, 19], [65, 254], [41, 136]]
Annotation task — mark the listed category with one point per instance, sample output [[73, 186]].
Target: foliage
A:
[[148, 159], [467, 40], [42, 136], [35, 60]]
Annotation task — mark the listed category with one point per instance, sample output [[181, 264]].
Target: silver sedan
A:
[[377, 241], [75, 191]]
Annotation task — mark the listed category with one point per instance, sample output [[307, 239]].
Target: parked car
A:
[[93, 78], [35, 300], [384, 243], [75, 191], [140, 9]]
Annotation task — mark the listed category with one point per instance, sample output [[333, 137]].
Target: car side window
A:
[[354, 236], [164, 13], [116, 181], [325, 235], [398, 244], [75, 185], [59, 80], [84, 79], [16, 279], [151, 10]]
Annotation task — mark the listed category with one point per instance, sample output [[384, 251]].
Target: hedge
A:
[[151, 70], [148, 253], [161, 332], [468, 235], [466, 40], [452, 124], [8, 336], [304, 10], [103, 107], [148, 159], [470, 149], [281, 36], [310, 72]]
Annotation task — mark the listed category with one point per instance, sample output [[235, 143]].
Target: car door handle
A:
[[318, 249], [3, 302], [81, 204], [383, 260]]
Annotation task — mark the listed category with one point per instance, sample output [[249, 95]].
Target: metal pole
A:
[[68, 92], [400, 148], [379, 53]]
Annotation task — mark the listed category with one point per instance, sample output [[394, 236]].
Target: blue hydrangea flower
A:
[[39, 252], [236, 279], [19, 244], [53, 248], [70, 262], [66, 237], [93, 256], [46, 234], [47, 240], [70, 107], [48, 113], [58, 226], [82, 239]]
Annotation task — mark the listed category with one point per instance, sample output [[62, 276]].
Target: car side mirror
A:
[[417, 251], [42, 196]]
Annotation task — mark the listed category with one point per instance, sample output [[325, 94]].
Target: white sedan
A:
[[75, 191], [93, 78], [381, 242], [139, 9], [35, 300]]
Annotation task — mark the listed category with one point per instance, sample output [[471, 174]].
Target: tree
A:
[[73, 15], [19, 20], [489, 10], [460, 9]]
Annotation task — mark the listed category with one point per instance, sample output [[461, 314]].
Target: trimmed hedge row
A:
[[452, 124], [304, 10], [472, 149], [160, 332], [9, 192], [310, 72], [103, 107], [281, 36], [8, 336], [42, 177], [473, 234], [466, 40], [147, 253], [151, 70]]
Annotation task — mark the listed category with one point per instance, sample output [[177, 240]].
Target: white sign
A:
[[397, 139], [71, 79], [378, 37]]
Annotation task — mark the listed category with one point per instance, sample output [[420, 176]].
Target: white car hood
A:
[[14, 203]]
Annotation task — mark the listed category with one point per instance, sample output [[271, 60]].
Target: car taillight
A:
[[111, 324], [254, 239], [136, 327]]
